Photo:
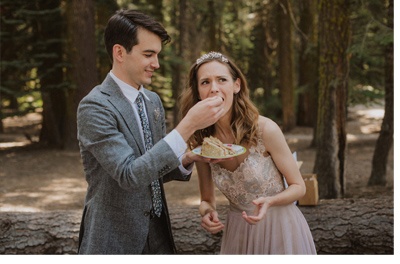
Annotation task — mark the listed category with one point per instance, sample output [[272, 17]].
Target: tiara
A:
[[211, 55]]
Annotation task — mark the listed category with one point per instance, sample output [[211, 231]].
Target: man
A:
[[126, 157]]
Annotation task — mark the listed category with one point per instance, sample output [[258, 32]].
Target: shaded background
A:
[[309, 64]]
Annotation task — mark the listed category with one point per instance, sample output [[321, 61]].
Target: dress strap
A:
[[260, 148]]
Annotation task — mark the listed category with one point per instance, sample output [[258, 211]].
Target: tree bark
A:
[[104, 10], [181, 66], [262, 58], [212, 26], [332, 102], [343, 226], [48, 29], [285, 50], [82, 57], [385, 139], [308, 61]]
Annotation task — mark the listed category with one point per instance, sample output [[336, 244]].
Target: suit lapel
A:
[[124, 107]]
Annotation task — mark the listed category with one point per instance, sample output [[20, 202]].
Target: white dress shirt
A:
[[173, 139]]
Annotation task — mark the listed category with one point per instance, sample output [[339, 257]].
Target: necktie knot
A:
[[139, 99]]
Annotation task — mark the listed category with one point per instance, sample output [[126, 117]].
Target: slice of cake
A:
[[213, 147]]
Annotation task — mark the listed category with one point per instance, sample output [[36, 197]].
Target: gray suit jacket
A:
[[118, 171]]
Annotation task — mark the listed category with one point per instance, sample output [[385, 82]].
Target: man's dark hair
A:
[[122, 29]]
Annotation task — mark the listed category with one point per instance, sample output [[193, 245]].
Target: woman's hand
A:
[[262, 204], [211, 223]]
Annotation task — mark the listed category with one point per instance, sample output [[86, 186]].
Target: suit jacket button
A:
[[146, 213]]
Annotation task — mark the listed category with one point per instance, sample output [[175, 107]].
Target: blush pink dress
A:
[[284, 230]]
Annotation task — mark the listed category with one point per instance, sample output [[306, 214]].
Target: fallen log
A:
[[341, 226]]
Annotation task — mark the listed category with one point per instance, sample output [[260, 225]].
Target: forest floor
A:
[[34, 178]]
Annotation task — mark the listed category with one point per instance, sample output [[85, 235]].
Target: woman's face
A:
[[214, 79]]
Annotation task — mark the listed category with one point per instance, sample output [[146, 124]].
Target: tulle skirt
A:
[[284, 230]]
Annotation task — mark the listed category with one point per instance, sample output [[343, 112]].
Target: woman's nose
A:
[[214, 87]]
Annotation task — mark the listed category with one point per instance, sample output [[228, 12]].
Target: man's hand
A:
[[203, 114]]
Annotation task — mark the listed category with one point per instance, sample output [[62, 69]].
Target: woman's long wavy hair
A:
[[244, 118]]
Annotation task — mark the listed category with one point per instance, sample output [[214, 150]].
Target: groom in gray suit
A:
[[126, 153]]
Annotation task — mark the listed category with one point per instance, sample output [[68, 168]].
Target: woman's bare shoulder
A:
[[268, 125]]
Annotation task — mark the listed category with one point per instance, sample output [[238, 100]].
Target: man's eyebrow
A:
[[151, 51]]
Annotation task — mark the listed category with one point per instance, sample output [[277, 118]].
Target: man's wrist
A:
[[185, 130], [187, 161]]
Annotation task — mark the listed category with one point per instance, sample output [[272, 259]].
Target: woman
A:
[[263, 218]]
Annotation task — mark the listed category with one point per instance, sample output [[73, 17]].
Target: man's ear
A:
[[118, 52]]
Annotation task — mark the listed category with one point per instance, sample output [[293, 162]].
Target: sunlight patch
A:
[[18, 208]]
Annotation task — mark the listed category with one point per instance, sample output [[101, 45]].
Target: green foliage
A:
[[360, 94], [30, 102], [370, 35], [270, 105], [23, 51], [245, 30]]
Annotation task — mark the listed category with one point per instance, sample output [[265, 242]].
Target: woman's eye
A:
[[222, 80], [204, 82]]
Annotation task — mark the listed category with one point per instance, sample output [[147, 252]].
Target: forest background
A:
[[322, 69], [308, 63]]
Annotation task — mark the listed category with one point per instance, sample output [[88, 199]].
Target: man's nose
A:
[[155, 64]]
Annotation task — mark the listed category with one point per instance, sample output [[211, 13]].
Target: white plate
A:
[[239, 150]]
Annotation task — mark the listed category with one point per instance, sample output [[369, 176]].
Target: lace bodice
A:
[[256, 176]]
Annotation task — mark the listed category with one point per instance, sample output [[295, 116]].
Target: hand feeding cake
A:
[[213, 147]]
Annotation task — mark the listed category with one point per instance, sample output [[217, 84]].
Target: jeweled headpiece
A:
[[211, 55]]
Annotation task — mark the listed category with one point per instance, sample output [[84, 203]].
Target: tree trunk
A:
[[82, 57], [308, 64], [104, 10], [385, 139], [212, 26], [342, 76], [285, 51], [183, 50], [262, 58], [48, 29], [332, 103], [345, 226]]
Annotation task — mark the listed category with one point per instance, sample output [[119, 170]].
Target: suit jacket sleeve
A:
[[108, 141]]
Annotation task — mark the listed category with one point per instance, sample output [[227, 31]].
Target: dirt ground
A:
[[35, 179]]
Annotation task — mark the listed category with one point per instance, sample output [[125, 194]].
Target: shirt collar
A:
[[129, 91]]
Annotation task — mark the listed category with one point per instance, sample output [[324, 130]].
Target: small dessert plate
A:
[[239, 150]]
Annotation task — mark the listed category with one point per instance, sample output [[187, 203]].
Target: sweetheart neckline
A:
[[241, 164]]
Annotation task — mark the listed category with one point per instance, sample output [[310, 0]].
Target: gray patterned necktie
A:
[[155, 185]]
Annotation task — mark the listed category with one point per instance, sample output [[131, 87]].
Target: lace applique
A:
[[256, 176]]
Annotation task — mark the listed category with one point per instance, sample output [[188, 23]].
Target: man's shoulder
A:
[[94, 94], [102, 91]]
